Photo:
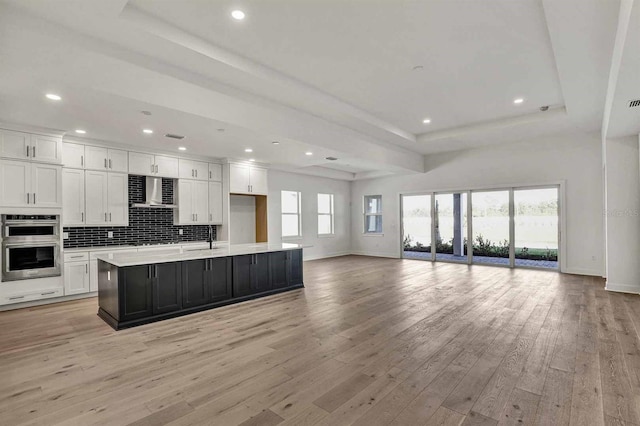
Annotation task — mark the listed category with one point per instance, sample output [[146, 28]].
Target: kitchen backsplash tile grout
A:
[[146, 225]]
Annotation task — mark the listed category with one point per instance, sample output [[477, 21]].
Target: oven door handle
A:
[[33, 244]]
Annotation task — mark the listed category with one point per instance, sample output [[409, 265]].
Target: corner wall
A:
[[310, 186], [575, 159], [622, 214]]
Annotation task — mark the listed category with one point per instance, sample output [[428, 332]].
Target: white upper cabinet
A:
[[106, 196], [245, 179], [112, 160], [24, 184], [193, 202], [215, 172], [189, 169], [73, 155], [30, 147], [153, 165], [72, 197], [215, 203]]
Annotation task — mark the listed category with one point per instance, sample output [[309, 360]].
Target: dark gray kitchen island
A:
[[143, 288]]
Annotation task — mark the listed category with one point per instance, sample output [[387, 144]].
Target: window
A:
[[325, 214], [373, 214], [291, 214]]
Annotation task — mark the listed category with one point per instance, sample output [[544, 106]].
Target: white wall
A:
[[622, 194], [575, 159], [243, 219], [310, 186]]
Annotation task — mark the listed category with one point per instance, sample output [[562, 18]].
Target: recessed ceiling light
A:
[[53, 96], [147, 131], [248, 150], [238, 15], [275, 143], [426, 121], [308, 153], [252, 159], [182, 148], [518, 101], [80, 131]]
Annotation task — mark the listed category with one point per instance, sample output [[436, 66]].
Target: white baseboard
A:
[[48, 301], [364, 253], [622, 288], [583, 271], [328, 255]]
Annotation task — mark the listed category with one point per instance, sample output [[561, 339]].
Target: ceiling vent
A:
[[634, 103], [172, 136], [330, 158]]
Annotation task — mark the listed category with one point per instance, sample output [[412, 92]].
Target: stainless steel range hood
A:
[[153, 195]]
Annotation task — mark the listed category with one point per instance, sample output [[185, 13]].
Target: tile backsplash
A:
[[146, 225]]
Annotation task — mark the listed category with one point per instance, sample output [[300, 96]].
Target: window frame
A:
[[366, 215], [331, 214], [298, 214]]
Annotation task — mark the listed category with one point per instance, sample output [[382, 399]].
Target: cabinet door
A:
[[185, 202], [15, 145], [185, 169], [195, 283], [118, 161], [46, 185], [135, 294], [96, 190], [279, 267], [141, 164], [261, 277], [95, 158], [201, 170], [167, 287], [258, 180], [118, 199], [76, 278], [215, 172], [220, 279], [242, 275], [73, 155], [295, 264], [15, 183], [238, 179], [215, 203], [72, 197], [201, 201], [166, 166], [47, 149]]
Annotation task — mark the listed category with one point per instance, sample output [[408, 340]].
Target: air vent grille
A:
[[331, 158], [634, 103], [172, 136]]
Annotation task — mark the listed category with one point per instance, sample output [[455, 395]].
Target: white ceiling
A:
[[328, 76]]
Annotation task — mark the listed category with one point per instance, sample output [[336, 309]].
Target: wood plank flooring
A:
[[369, 341]]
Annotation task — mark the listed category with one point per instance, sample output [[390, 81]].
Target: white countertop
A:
[[141, 247], [121, 260]]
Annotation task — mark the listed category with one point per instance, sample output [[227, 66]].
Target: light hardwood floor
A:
[[369, 341]]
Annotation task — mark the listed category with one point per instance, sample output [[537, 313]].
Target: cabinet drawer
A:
[[31, 296], [76, 257]]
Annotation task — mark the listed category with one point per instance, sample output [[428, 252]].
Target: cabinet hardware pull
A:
[[34, 198], [210, 217], [86, 269], [209, 174], [109, 162], [82, 160], [191, 172], [149, 271], [156, 168], [28, 198], [105, 163], [82, 217], [76, 257], [152, 168], [196, 217], [16, 297], [47, 293], [105, 217], [196, 172], [109, 216], [27, 150], [34, 152]]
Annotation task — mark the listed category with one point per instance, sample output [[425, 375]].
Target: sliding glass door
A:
[[416, 226], [536, 227], [515, 227]]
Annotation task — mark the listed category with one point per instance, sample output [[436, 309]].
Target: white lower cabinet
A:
[[76, 277]]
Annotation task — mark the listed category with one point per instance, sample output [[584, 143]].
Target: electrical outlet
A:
[[65, 235], [180, 232], [109, 234]]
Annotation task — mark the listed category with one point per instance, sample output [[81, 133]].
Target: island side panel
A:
[[108, 289]]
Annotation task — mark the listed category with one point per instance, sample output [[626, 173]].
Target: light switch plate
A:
[[65, 235], [180, 232], [109, 234]]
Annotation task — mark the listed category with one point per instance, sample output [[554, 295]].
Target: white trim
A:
[[583, 271], [622, 288], [373, 234], [326, 235], [364, 253], [328, 255]]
